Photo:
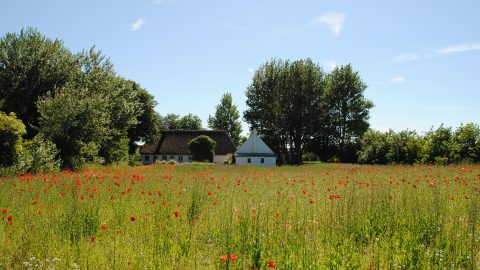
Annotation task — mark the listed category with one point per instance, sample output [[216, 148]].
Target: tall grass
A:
[[323, 216]]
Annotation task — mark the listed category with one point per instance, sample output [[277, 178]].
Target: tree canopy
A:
[[227, 118], [187, 122]]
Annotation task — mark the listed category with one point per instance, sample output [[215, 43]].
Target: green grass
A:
[[318, 216]]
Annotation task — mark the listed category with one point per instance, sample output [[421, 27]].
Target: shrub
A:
[[44, 155], [11, 132], [202, 148]]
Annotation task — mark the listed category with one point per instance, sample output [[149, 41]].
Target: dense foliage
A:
[[11, 132], [75, 101], [296, 106], [440, 146], [202, 148], [186, 122], [227, 118]]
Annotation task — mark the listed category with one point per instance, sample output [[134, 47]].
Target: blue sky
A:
[[420, 59]]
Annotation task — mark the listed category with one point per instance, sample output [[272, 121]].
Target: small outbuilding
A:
[[255, 151]]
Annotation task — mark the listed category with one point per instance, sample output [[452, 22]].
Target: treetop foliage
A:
[[227, 118]]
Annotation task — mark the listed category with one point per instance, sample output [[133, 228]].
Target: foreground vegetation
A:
[[321, 216]]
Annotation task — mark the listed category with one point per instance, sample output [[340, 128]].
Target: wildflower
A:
[[9, 218], [277, 214], [4, 211], [271, 264], [133, 218], [233, 257], [176, 213], [209, 193], [103, 227], [223, 258]]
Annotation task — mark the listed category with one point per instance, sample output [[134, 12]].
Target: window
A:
[[190, 158], [155, 158], [164, 158], [249, 160], [262, 160], [172, 157], [146, 158], [180, 158]]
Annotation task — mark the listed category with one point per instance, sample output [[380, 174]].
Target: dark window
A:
[[164, 158], [172, 157], [155, 158], [180, 158], [147, 157], [249, 160], [189, 157], [262, 160]]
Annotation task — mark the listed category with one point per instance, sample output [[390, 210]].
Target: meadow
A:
[[316, 216]]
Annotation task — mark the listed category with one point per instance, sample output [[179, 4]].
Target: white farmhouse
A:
[[255, 151], [173, 145]]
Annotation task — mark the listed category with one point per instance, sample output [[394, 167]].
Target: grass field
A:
[[320, 216]]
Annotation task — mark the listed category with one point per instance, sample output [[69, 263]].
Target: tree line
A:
[[440, 146]]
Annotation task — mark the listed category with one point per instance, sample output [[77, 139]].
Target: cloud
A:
[[330, 65], [251, 70], [333, 20], [397, 79], [406, 57], [465, 47], [137, 24]]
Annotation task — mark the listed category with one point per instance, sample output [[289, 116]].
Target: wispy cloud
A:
[[397, 79], [330, 65], [406, 57], [137, 24], [465, 47], [333, 20]]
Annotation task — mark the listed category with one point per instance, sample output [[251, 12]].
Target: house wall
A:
[[219, 159], [268, 161]]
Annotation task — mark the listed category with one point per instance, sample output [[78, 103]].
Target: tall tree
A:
[[284, 105], [30, 66], [347, 109], [92, 115], [227, 118]]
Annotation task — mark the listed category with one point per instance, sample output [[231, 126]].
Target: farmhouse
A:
[[173, 145], [255, 151]]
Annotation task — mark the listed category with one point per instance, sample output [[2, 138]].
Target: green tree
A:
[[190, 122], [202, 148], [39, 155], [81, 117], [170, 121], [346, 108], [373, 147], [30, 66], [148, 123], [284, 105], [227, 118], [439, 146], [11, 132], [467, 140]]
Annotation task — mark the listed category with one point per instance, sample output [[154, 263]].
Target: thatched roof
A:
[[175, 142]]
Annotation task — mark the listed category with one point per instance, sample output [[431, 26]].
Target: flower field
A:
[[318, 216]]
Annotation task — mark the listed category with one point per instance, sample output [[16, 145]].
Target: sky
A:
[[420, 59]]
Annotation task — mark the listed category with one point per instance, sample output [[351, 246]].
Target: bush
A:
[[134, 160], [202, 148], [44, 155], [11, 132]]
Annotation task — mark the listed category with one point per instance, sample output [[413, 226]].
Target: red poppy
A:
[[209, 192], [176, 213], [277, 214], [223, 258], [103, 227], [4, 211], [132, 218], [233, 257], [271, 264], [9, 218]]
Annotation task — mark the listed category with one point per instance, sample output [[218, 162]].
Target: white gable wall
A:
[[267, 161]]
